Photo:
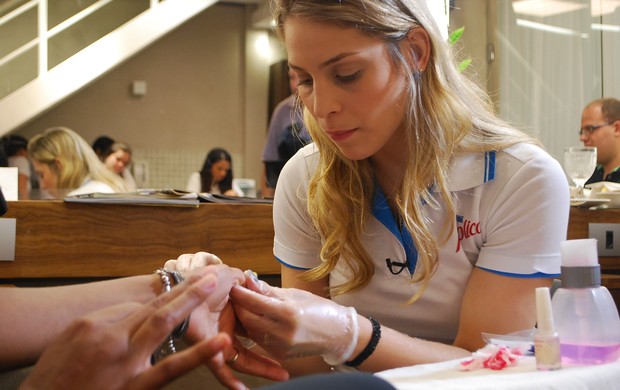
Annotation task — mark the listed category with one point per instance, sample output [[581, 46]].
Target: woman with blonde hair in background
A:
[[65, 162]]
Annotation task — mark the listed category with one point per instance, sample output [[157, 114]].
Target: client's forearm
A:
[[32, 317]]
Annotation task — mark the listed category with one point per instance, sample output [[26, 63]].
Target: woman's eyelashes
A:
[[339, 78], [347, 78], [304, 81]]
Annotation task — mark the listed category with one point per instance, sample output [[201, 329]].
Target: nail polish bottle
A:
[[546, 339]]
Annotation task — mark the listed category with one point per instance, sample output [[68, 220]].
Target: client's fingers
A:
[[191, 261], [207, 258], [181, 363], [227, 278], [256, 302], [156, 320], [171, 265], [250, 362], [253, 283], [184, 262]]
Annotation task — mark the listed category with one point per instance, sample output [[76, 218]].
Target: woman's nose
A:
[[325, 101]]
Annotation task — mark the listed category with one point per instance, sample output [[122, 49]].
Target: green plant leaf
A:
[[452, 39], [464, 64], [456, 35]]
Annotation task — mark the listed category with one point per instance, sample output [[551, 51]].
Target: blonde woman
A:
[[417, 219], [66, 164]]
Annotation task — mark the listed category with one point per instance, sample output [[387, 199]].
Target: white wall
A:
[[206, 87]]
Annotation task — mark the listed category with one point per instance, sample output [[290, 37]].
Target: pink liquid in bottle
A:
[[589, 354]]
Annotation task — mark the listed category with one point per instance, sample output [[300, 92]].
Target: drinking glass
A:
[[580, 163]]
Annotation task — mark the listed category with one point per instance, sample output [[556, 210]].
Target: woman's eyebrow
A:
[[326, 63]]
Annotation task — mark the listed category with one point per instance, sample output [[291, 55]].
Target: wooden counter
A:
[[578, 228], [68, 240]]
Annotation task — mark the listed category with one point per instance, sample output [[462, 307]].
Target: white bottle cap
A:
[[544, 316], [579, 253]]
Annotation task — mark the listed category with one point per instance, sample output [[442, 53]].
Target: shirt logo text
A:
[[465, 229]]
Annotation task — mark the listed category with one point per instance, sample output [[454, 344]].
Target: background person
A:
[[285, 136], [117, 157], [16, 149], [64, 163], [600, 127], [101, 144], [402, 232], [216, 175]]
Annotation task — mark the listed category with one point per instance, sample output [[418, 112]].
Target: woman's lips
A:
[[340, 135]]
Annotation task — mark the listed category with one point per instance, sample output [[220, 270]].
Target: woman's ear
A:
[[418, 45], [56, 166]]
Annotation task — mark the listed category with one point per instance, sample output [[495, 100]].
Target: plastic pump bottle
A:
[[585, 314]]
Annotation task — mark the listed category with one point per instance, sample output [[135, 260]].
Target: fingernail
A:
[[251, 274]]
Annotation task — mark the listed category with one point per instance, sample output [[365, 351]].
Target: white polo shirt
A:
[[512, 213]]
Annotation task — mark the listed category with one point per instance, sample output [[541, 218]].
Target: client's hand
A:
[[294, 323], [111, 348], [191, 261], [217, 315]]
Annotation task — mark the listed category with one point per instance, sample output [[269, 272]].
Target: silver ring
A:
[[234, 359]]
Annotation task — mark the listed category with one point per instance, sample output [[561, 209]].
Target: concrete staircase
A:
[[53, 85]]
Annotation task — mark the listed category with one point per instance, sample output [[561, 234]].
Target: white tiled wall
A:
[[171, 168], [165, 168]]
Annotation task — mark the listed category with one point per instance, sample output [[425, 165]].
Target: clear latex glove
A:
[[189, 262], [291, 323], [216, 315]]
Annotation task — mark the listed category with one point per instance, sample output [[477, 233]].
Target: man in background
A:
[[286, 135], [600, 127]]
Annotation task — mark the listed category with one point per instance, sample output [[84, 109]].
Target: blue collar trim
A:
[[489, 166], [382, 212]]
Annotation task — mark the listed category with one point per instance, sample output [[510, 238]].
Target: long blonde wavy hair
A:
[[446, 114], [71, 158]]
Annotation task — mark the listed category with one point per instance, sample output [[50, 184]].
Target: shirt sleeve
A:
[[297, 244], [526, 218]]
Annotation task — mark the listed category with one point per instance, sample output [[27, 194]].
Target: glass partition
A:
[[543, 60]]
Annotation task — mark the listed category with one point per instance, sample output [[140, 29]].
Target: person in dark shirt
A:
[[600, 127]]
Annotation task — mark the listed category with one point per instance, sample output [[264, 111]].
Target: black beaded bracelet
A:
[[370, 348]]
